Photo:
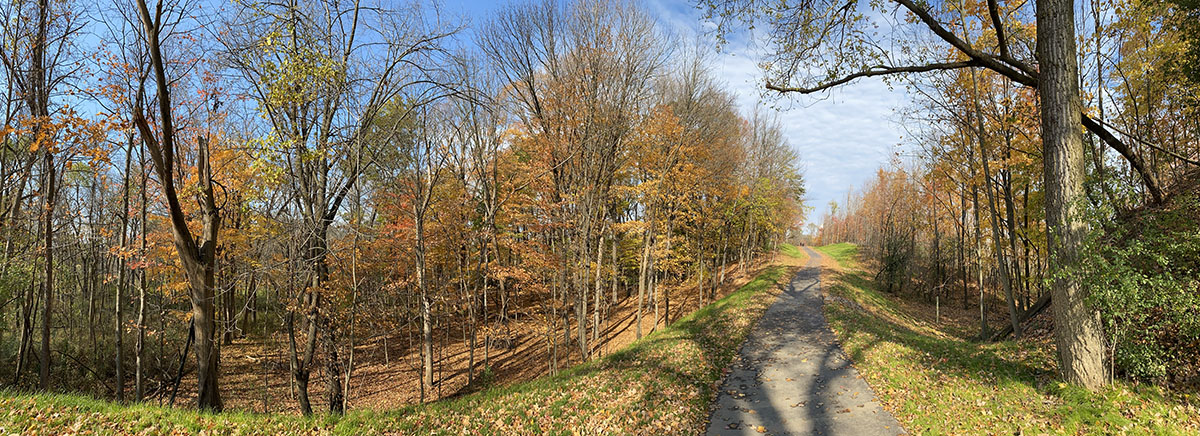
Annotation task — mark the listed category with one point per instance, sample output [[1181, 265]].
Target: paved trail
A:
[[791, 377]]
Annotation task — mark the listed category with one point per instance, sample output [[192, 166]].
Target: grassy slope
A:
[[661, 384], [793, 251], [937, 382]]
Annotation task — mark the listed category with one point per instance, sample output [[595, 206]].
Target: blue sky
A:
[[842, 137]]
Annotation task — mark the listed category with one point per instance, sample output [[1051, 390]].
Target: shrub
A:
[[1144, 277]]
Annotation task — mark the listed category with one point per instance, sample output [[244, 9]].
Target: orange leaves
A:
[[65, 132]]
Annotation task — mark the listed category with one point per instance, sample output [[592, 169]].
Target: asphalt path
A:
[[792, 378]]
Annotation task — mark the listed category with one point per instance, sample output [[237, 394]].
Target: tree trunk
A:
[[118, 311], [994, 216], [983, 325], [301, 366], [426, 322], [48, 286], [140, 345], [197, 255], [642, 269], [38, 101], [962, 243], [598, 293], [1077, 327]]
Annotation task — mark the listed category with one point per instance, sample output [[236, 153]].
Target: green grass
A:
[[845, 253], [793, 251], [937, 382], [661, 384]]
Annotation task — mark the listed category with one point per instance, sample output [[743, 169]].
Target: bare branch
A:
[[877, 71]]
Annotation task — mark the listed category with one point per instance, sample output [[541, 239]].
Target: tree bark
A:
[[48, 286], [1077, 327]]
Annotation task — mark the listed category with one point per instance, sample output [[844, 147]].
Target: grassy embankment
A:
[[661, 384], [937, 381]]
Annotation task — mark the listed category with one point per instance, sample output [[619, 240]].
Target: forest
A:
[[321, 205], [565, 217]]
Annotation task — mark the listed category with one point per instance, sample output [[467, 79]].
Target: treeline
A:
[[177, 177], [964, 221]]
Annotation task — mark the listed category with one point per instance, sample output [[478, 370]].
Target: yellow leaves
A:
[[301, 74]]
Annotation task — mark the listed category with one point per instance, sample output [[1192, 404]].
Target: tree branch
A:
[[1175, 155], [1135, 161], [1005, 65], [876, 71], [994, 12]]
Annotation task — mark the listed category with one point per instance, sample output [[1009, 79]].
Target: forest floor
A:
[[256, 378], [662, 384], [932, 376]]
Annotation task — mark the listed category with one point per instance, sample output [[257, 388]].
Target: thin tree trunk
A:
[[48, 286], [983, 326], [140, 345], [183, 359], [962, 243], [990, 190], [119, 302], [647, 236], [598, 293]]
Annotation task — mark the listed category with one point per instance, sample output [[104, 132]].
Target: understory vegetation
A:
[[933, 375], [661, 384], [1144, 270]]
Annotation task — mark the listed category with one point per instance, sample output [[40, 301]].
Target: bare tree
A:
[[320, 73], [197, 253]]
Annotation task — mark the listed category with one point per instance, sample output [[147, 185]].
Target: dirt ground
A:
[[255, 371]]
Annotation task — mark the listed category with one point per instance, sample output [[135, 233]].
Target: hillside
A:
[[933, 376], [661, 384]]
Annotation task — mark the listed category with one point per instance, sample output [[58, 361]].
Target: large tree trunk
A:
[[37, 99], [1077, 326], [207, 353]]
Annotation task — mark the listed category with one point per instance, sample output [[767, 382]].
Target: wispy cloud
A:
[[842, 137]]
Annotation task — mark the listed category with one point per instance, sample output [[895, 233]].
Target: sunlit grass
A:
[[939, 383], [793, 251]]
